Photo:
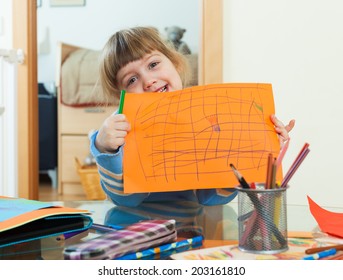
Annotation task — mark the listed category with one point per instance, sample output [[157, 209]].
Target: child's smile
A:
[[163, 89]]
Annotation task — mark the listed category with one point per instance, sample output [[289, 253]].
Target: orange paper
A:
[[329, 222], [187, 139]]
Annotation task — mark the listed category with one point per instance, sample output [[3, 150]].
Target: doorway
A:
[[25, 36]]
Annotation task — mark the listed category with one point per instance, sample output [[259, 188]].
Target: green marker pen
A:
[[121, 101]]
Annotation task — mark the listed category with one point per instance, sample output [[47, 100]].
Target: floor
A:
[[48, 193]]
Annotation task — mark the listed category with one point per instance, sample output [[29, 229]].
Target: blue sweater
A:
[[110, 167]]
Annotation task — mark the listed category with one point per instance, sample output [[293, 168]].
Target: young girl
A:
[[139, 60]]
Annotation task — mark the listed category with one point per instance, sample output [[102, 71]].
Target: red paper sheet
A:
[[329, 222], [187, 139]]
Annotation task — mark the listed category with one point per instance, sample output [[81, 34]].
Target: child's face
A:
[[153, 73]]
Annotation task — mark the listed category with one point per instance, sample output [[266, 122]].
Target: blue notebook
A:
[[24, 220]]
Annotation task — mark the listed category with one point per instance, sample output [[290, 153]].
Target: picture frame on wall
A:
[[66, 3]]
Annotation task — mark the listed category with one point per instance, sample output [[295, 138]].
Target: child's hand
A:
[[112, 133], [282, 129]]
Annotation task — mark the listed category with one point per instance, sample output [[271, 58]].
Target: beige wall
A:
[[298, 47]]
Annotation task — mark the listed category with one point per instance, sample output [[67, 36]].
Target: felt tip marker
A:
[[321, 255], [121, 101]]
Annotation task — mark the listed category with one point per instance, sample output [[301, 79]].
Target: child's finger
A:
[[290, 125]]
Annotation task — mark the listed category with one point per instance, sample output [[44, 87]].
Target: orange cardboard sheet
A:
[[328, 222], [187, 139]]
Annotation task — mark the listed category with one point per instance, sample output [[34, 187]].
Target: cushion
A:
[[79, 80]]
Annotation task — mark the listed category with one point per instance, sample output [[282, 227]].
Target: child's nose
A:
[[149, 84]]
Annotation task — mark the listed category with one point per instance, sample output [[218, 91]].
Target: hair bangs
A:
[[131, 48]]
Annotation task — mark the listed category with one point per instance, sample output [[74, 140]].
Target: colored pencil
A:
[[273, 175], [240, 178], [320, 249], [282, 153], [68, 235], [269, 171], [295, 165]]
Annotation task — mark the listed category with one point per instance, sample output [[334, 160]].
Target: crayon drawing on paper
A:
[[187, 139]]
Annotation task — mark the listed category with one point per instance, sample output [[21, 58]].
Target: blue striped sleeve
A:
[[110, 168]]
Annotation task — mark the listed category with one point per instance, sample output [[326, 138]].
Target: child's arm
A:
[[215, 196], [110, 167]]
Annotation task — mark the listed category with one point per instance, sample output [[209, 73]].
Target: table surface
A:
[[218, 224]]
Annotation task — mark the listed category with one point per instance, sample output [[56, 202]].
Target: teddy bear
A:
[[174, 35]]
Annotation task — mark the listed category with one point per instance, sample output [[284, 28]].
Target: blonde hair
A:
[[132, 44]]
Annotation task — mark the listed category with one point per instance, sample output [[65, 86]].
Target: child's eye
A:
[[153, 64], [131, 81]]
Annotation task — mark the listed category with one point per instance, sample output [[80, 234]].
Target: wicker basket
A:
[[90, 181]]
